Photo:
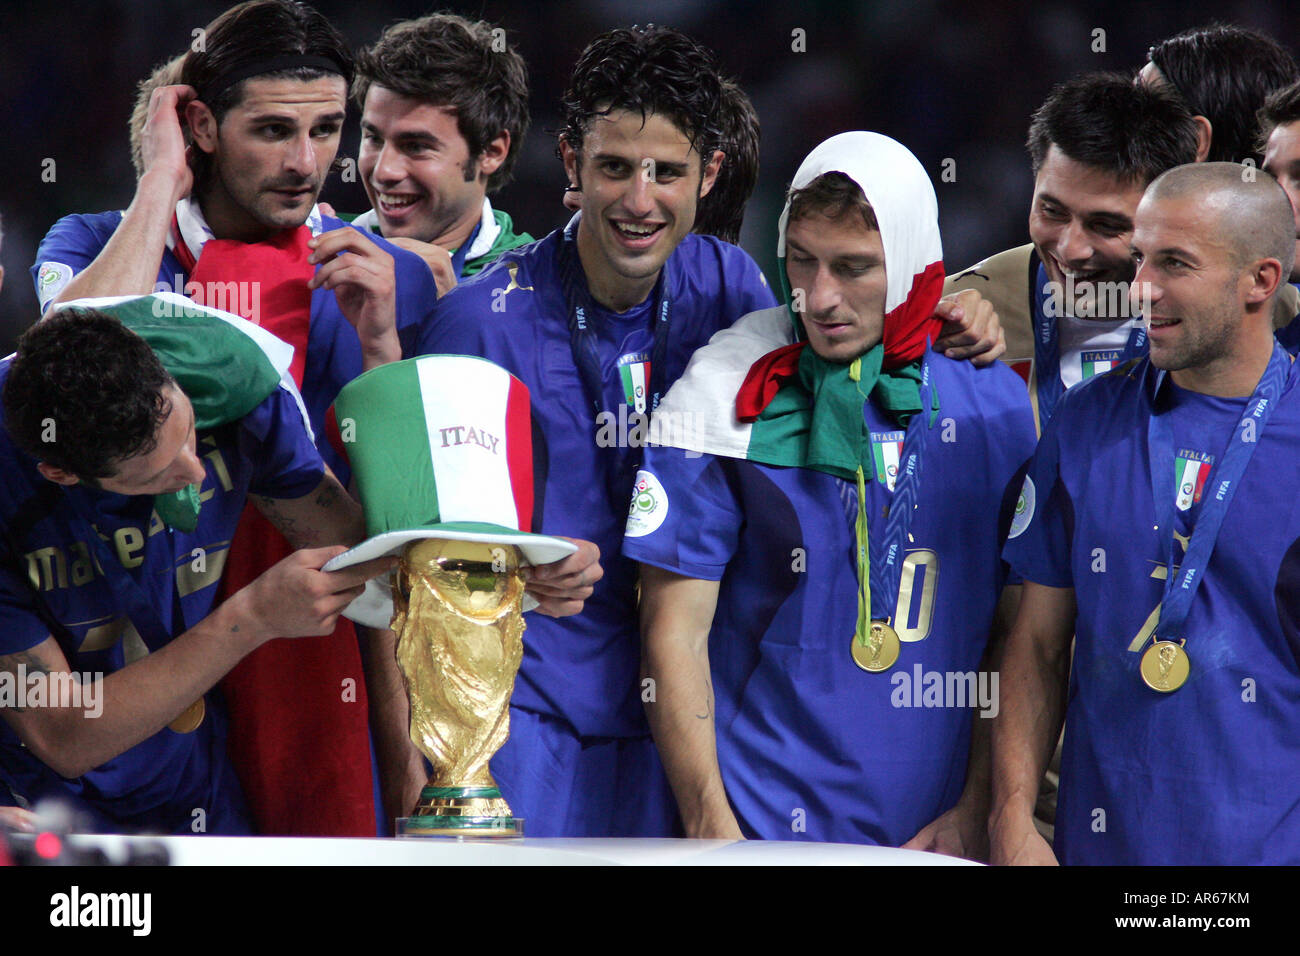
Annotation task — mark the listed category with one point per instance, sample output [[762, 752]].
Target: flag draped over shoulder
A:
[[756, 392]]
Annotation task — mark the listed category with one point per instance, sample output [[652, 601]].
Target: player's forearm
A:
[[676, 617], [327, 515], [128, 263], [1032, 709], [379, 349], [682, 721], [978, 791], [131, 705]]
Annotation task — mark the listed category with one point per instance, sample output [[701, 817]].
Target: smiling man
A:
[[827, 532], [597, 320], [1160, 530], [444, 112], [1095, 144]]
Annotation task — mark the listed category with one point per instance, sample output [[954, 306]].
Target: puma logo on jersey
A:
[[513, 269]]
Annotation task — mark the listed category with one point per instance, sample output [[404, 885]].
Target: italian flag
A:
[[226, 365], [699, 411]]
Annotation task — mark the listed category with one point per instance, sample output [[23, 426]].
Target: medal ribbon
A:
[[1224, 478], [1047, 349], [586, 352], [582, 338], [881, 556]]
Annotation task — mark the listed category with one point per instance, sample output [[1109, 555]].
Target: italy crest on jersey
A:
[[1192, 468], [634, 372], [1098, 362], [887, 449]]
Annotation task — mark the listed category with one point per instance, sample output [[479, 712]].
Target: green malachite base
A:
[[460, 812]]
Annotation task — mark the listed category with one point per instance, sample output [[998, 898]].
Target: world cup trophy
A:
[[459, 623], [440, 447]]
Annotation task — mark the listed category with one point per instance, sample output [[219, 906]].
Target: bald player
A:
[[1158, 523]]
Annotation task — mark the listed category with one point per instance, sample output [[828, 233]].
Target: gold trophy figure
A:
[[459, 624], [441, 452]]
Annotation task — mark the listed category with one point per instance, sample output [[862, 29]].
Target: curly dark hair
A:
[[722, 212], [650, 69], [447, 60], [252, 32], [1105, 120], [1224, 73], [96, 382]]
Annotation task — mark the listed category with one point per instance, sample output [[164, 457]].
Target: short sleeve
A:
[[683, 516], [285, 462], [21, 628], [70, 245], [1038, 541]]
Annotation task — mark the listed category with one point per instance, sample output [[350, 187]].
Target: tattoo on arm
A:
[[708, 702], [298, 533]]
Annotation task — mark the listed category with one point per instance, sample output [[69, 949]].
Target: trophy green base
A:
[[461, 812]]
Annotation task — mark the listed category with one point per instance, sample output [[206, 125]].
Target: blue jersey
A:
[[810, 746], [333, 349], [1206, 774], [584, 668], [122, 585]]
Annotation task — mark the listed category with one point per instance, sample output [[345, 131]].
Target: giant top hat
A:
[[441, 447]]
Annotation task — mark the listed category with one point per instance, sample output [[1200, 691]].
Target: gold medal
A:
[[190, 719], [880, 650], [1165, 666]]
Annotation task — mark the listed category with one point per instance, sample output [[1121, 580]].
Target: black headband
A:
[[273, 64]]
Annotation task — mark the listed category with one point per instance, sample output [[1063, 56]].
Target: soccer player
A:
[[109, 593], [1158, 525], [1223, 74], [840, 495], [1063, 300], [444, 113], [597, 319]]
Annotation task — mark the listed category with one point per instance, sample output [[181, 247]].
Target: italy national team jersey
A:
[[583, 669], [1206, 774], [333, 349], [810, 746], [97, 557]]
